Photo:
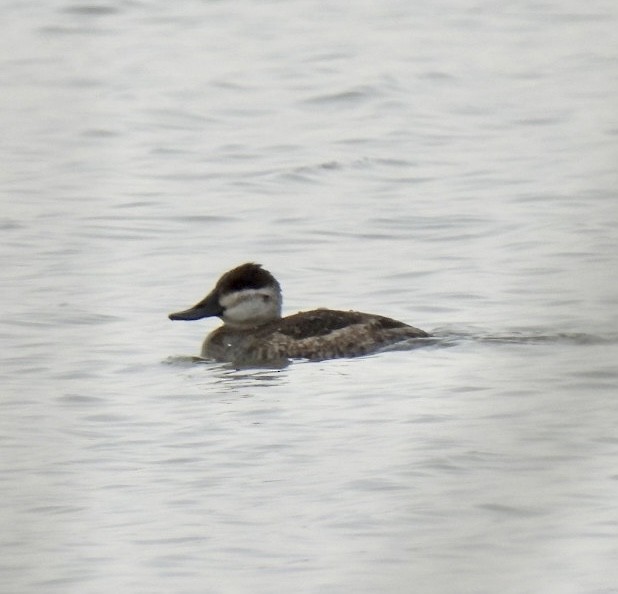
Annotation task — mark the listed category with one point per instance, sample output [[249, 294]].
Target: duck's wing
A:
[[328, 334]]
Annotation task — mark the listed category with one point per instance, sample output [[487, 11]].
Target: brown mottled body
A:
[[315, 335]]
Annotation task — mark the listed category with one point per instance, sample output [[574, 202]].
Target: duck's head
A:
[[244, 297]]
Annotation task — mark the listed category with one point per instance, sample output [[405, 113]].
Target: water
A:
[[447, 164]]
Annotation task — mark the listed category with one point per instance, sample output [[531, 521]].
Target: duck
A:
[[248, 300]]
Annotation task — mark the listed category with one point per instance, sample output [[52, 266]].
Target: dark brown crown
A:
[[246, 276]]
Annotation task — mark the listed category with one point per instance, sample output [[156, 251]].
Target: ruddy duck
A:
[[248, 300]]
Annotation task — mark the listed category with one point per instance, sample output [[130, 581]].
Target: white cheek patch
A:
[[250, 305]]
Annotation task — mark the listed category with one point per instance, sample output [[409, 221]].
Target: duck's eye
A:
[[265, 298]]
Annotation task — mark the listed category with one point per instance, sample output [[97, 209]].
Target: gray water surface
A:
[[452, 165]]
